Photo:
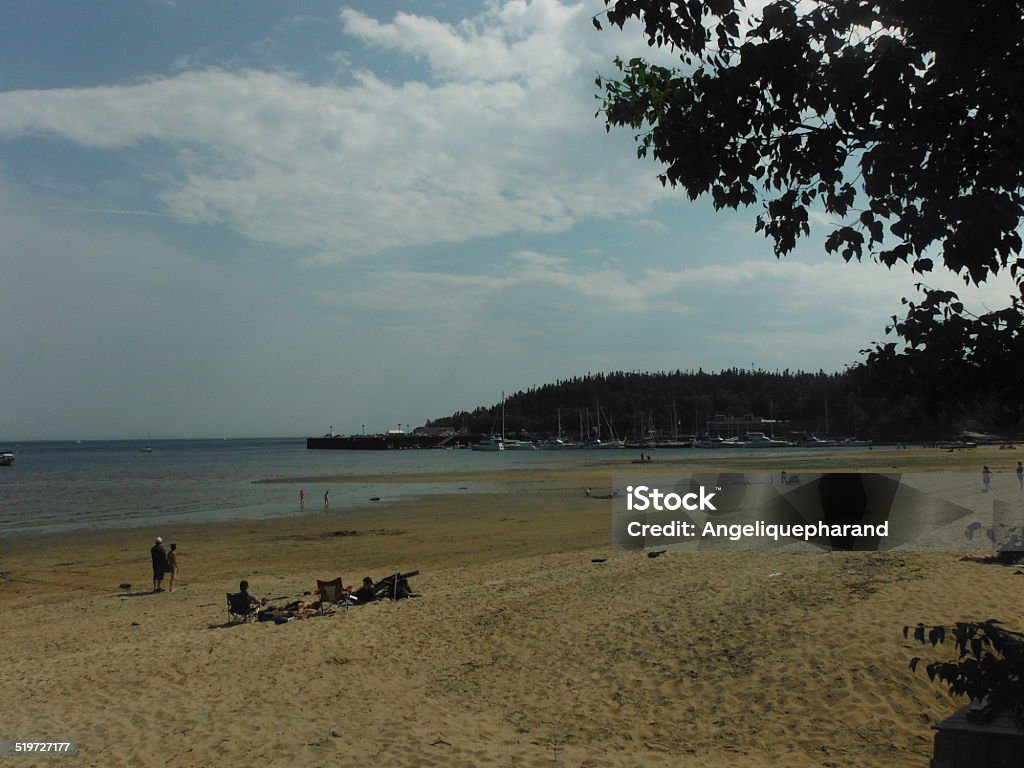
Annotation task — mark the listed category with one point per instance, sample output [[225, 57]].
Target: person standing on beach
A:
[[1020, 474], [327, 501], [159, 564], [986, 478], [172, 566], [302, 499]]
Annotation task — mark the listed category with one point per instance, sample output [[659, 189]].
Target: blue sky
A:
[[264, 218]]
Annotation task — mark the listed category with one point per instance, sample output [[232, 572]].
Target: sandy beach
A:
[[521, 649]]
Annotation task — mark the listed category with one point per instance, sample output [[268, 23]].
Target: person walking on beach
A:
[[327, 501], [302, 499], [159, 564], [172, 566], [986, 478]]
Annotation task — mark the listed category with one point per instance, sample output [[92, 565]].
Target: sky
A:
[[265, 218]]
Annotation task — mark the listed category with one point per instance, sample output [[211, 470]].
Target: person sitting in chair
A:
[[243, 590], [365, 594], [243, 605]]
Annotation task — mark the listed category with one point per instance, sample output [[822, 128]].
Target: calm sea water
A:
[[60, 486]]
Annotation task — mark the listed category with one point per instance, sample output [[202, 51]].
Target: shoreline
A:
[[489, 479], [565, 476], [817, 459]]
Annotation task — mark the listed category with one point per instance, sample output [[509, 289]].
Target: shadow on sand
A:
[[226, 625]]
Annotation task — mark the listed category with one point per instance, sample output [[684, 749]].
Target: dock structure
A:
[[392, 440]]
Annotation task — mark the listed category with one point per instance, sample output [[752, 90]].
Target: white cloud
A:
[[822, 218], [524, 276], [759, 302], [498, 136], [515, 40]]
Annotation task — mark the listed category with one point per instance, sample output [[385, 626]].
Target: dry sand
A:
[[520, 651]]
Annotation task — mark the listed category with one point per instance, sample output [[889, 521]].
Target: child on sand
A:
[[172, 566], [986, 478]]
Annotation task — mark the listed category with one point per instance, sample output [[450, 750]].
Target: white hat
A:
[[159, 540]]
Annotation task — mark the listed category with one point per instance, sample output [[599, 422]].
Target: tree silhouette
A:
[[898, 120]]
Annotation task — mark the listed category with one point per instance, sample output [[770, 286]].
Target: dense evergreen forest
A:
[[680, 403]]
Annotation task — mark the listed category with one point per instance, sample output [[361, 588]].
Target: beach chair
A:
[[240, 609], [395, 587], [331, 593]]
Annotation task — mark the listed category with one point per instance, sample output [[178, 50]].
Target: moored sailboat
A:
[[493, 442]]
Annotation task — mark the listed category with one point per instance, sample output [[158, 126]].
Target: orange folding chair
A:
[[331, 593]]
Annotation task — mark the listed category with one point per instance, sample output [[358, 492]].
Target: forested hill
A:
[[632, 404]]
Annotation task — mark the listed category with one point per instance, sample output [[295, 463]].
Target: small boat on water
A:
[[761, 440], [817, 442], [495, 442], [6, 458], [709, 443], [674, 444], [519, 445], [556, 444], [712, 442], [602, 444], [489, 443]]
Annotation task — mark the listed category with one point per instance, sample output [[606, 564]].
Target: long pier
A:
[[378, 442]]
